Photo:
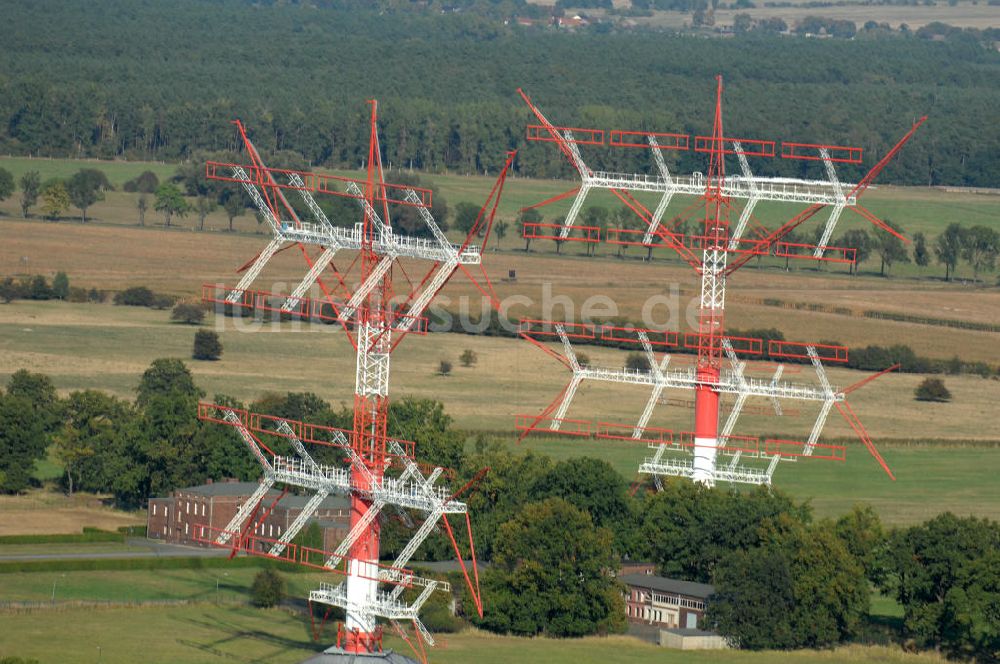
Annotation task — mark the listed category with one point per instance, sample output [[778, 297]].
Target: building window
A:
[[154, 509], [187, 507], [185, 529], [203, 509]]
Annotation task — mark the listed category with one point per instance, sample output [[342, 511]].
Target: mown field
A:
[[209, 585], [207, 634]]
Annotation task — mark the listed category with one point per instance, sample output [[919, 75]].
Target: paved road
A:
[[149, 549]]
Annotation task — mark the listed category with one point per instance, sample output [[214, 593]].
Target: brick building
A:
[[668, 603], [176, 518]]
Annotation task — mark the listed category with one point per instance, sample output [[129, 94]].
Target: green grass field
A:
[[209, 585], [208, 634], [930, 479]]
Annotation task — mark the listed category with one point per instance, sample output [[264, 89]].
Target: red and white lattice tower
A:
[[380, 470], [715, 252]]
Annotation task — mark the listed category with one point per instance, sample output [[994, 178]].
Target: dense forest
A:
[[144, 79]]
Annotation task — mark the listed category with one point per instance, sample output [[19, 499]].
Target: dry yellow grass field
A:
[[179, 261], [41, 512]]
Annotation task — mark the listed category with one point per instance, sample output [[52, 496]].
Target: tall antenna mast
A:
[[695, 454], [381, 470]]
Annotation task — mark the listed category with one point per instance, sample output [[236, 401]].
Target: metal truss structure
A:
[[723, 249], [817, 194], [378, 471]]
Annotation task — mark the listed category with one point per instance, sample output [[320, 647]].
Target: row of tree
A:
[[978, 246]]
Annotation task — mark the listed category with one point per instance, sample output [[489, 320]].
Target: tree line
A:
[[449, 103]]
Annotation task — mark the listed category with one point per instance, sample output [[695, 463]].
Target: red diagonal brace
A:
[[852, 419]]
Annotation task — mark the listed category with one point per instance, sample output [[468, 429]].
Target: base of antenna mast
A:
[[335, 655]]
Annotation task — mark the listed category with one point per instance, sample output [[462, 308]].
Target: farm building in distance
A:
[[176, 518]]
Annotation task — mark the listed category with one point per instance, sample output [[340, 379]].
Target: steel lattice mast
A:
[[382, 470], [708, 379], [712, 306]]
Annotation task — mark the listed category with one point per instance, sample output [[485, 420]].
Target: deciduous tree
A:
[[31, 184], [554, 574], [465, 216], [528, 216], [948, 248], [22, 442], [921, 254], [927, 563], [889, 248], [980, 246], [203, 207], [234, 206], [6, 184], [60, 286], [170, 201], [55, 200], [799, 588], [141, 205], [85, 189]]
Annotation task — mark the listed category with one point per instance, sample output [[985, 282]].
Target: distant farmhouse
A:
[[176, 518]]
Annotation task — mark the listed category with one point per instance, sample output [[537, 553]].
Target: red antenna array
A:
[[378, 472], [716, 251]]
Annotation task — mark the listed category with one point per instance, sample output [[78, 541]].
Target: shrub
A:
[[10, 290], [38, 289], [932, 389], [60, 286], [188, 313], [268, 588], [161, 302], [206, 345], [444, 368], [440, 619], [144, 183], [468, 357], [77, 294], [637, 362], [136, 296]]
